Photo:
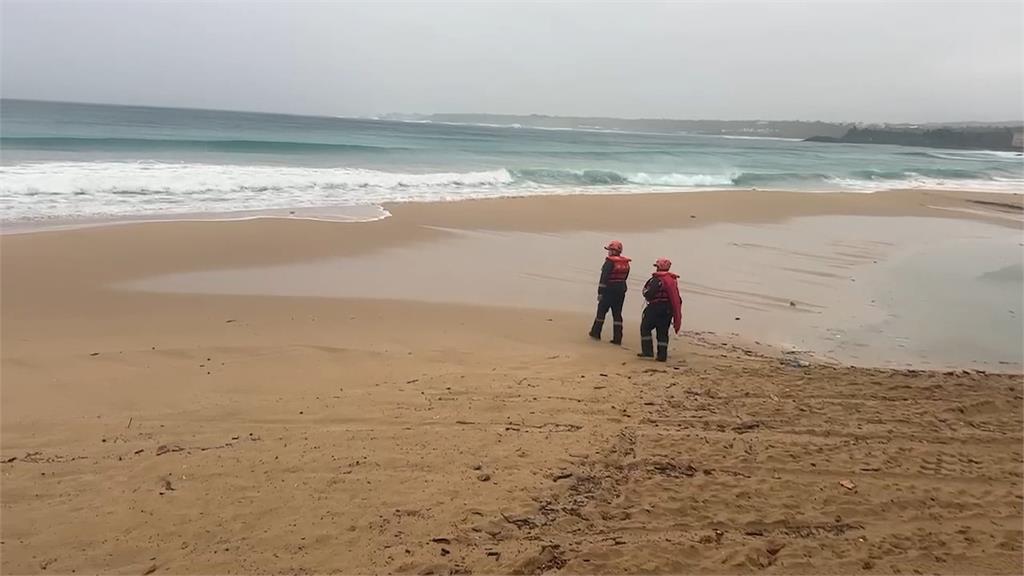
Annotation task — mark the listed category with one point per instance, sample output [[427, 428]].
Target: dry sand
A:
[[177, 433]]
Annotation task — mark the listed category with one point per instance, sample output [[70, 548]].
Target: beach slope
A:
[[148, 432]]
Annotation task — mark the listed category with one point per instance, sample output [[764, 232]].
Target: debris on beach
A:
[[166, 486], [165, 448], [562, 475], [848, 484], [746, 426], [796, 363], [483, 477]]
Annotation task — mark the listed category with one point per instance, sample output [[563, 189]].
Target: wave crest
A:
[[612, 178]]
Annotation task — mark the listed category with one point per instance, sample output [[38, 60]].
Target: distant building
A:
[[1018, 138]]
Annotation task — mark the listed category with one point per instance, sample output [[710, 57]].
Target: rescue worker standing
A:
[[611, 291], [664, 308]]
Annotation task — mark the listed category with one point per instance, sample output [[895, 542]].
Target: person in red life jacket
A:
[[664, 308], [611, 291]]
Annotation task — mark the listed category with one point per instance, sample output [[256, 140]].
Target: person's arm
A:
[[677, 305], [606, 271]]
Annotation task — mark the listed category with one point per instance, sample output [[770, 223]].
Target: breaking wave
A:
[[100, 189]]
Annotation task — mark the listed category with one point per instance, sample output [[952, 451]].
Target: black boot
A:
[[662, 351], [595, 330], [646, 347], [617, 333]]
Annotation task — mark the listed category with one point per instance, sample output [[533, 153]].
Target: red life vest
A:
[[668, 292], [620, 269], [654, 290]]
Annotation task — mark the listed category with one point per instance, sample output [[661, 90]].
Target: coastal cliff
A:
[[981, 138]]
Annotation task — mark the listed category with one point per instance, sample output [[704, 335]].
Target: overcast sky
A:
[[860, 61]]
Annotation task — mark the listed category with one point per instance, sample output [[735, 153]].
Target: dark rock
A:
[[979, 138]]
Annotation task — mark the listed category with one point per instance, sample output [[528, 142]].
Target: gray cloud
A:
[[871, 61]]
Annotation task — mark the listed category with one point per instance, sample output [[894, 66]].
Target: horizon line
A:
[[379, 118]]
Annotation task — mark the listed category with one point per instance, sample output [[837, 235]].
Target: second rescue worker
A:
[[664, 309]]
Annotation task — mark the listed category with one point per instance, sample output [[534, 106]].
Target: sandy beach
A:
[[418, 395]]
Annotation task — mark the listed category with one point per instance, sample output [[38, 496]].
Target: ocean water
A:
[[61, 161]]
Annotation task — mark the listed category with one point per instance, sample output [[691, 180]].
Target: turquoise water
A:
[[79, 161]]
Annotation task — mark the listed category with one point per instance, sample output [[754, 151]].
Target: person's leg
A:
[[646, 325], [617, 303], [602, 310], [663, 323]]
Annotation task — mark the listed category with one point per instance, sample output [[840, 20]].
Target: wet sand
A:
[[204, 433], [915, 292]]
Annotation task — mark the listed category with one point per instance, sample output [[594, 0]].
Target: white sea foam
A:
[[926, 183], [132, 177], [978, 155], [112, 189], [58, 191], [682, 180]]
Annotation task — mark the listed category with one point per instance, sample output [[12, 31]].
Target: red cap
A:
[[614, 246], [663, 264]]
